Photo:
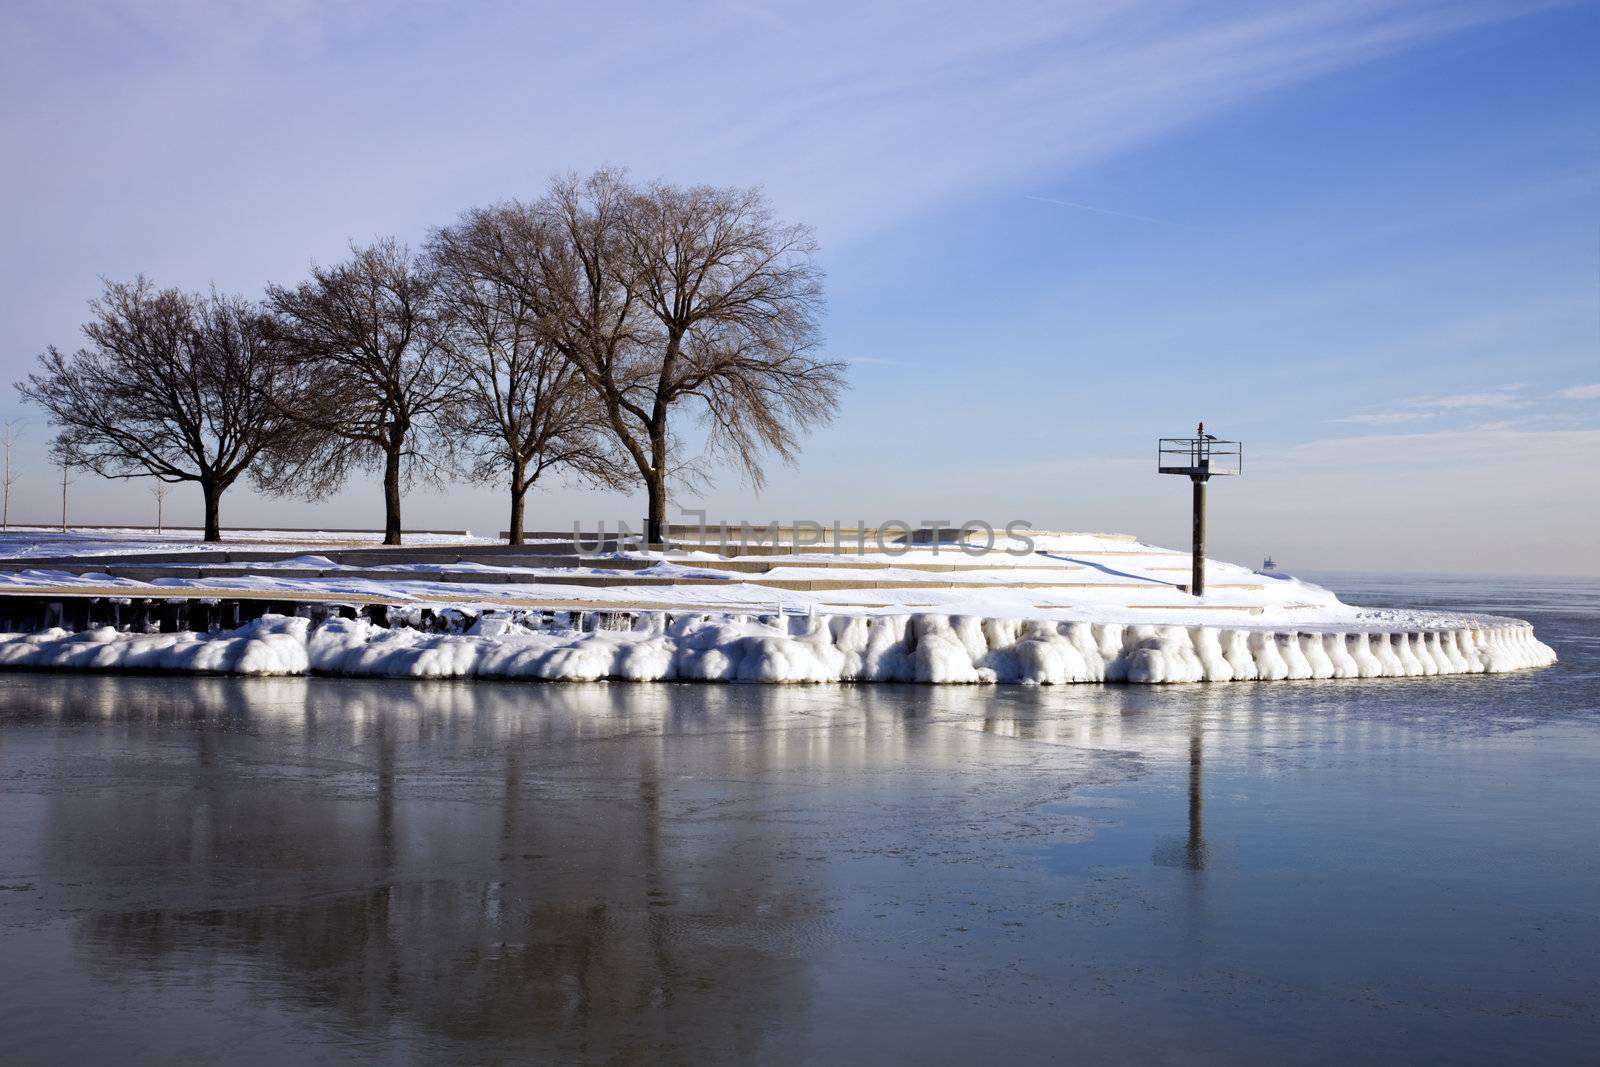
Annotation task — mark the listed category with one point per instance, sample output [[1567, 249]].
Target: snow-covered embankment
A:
[[927, 647]]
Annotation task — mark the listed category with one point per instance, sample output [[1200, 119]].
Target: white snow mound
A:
[[932, 648]]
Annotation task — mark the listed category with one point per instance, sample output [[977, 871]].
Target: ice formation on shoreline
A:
[[931, 648]]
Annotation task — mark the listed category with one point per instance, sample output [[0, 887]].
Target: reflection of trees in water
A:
[[498, 865], [628, 866], [477, 963]]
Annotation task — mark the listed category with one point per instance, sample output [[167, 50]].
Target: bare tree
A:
[[523, 409], [369, 375], [668, 299], [159, 490], [9, 442], [173, 386], [66, 467]]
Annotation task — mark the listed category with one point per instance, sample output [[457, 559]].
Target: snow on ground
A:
[[1083, 572], [1078, 608], [1091, 596]]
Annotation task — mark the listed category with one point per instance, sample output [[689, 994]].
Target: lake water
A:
[[319, 870]]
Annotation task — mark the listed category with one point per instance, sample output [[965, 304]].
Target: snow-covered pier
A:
[[1040, 608]]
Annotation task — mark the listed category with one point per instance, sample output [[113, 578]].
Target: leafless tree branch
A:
[[172, 385]]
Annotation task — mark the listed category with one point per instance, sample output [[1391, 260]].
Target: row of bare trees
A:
[[574, 333]]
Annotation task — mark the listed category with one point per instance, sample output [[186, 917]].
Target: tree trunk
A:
[[213, 495], [391, 497], [655, 485], [655, 523], [519, 493]]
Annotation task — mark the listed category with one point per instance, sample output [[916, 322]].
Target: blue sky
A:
[[1363, 237]]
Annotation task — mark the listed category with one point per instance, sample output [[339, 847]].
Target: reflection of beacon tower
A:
[[1190, 851], [1200, 458]]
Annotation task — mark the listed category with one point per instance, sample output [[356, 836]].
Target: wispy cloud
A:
[[1416, 408], [1468, 448], [1499, 425], [855, 116], [1386, 418], [1098, 210], [1505, 397], [1581, 392]]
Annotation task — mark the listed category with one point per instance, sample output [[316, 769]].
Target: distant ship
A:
[[1269, 569]]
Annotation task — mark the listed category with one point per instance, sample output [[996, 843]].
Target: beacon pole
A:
[[1198, 458]]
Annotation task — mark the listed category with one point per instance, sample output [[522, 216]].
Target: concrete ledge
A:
[[762, 566], [492, 555], [55, 527]]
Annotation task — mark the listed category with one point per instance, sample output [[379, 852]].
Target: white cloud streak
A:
[[854, 115], [1098, 210], [1466, 449], [1506, 397], [1386, 418]]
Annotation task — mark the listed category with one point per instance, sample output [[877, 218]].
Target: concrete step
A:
[[501, 561], [762, 566], [491, 555], [55, 527], [34, 609]]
